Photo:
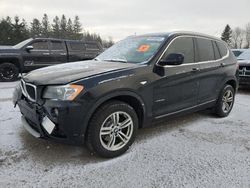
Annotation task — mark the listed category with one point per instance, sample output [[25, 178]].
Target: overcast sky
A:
[[120, 18]]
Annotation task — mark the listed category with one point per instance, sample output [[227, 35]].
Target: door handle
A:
[[222, 64], [45, 53], [195, 69]]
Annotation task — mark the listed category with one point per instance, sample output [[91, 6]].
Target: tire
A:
[[105, 136], [225, 101], [8, 72]]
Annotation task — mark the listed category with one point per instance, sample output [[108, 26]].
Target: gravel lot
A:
[[197, 150]]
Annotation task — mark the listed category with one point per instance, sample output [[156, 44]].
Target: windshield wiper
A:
[[116, 60]]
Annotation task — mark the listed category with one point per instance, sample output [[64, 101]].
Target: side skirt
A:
[[198, 107]]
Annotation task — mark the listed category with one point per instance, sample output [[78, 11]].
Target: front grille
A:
[[244, 71], [29, 91], [246, 67]]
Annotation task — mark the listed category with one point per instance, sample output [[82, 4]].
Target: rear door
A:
[[58, 52], [177, 90], [211, 65], [76, 50]]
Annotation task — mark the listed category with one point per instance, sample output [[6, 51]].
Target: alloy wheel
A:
[[227, 101], [7, 73], [116, 131]]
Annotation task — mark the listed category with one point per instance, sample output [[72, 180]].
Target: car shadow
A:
[[244, 90], [177, 123], [49, 152]]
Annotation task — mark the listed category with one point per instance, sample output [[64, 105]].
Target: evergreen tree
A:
[[77, 28], [227, 34], [63, 27], [46, 29], [17, 31], [20, 30], [56, 27], [35, 28], [70, 33], [6, 31]]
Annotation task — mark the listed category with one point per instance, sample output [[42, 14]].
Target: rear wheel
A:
[[112, 129], [225, 101], [8, 72]]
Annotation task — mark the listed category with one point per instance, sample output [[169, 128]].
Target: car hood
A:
[[69, 72], [244, 62], [7, 49]]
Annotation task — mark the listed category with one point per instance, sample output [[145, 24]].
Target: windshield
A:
[[237, 52], [132, 50], [21, 44], [244, 56]]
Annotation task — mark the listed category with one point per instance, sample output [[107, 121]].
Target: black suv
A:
[[41, 52], [137, 81]]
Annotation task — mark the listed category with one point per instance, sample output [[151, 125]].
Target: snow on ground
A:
[[196, 150]]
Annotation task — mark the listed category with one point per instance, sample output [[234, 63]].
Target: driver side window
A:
[[40, 45], [184, 46]]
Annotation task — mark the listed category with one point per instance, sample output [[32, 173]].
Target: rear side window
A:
[[183, 45], [216, 51], [40, 45], [92, 46], [57, 45], [223, 49], [77, 46], [205, 49]]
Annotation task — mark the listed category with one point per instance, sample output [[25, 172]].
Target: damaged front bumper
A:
[[27, 126], [58, 120]]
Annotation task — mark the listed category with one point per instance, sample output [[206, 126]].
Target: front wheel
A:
[[225, 101], [8, 72], [112, 129]]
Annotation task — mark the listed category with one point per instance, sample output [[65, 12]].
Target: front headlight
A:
[[67, 92]]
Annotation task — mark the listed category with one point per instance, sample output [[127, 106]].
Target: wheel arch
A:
[[232, 82], [128, 97], [14, 60]]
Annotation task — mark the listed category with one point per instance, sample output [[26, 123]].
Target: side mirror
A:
[[172, 59], [28, 48]]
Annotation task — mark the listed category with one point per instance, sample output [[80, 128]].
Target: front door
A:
[[37, 57], [177, 90]]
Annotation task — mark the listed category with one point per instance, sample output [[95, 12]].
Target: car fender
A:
[[107, 97]]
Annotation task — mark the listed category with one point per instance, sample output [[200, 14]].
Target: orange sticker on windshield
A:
[[143, 48]]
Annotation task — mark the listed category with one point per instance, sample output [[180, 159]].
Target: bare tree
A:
[[247, 36], [238, 38]]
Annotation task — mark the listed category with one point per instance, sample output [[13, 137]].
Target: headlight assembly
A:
[[65, 93]]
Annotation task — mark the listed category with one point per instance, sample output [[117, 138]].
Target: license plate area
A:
[[48, 125]]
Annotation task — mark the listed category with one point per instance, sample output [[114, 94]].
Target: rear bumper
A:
[[68, 120]]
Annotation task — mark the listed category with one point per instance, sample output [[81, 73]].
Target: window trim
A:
[[199, 62]]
